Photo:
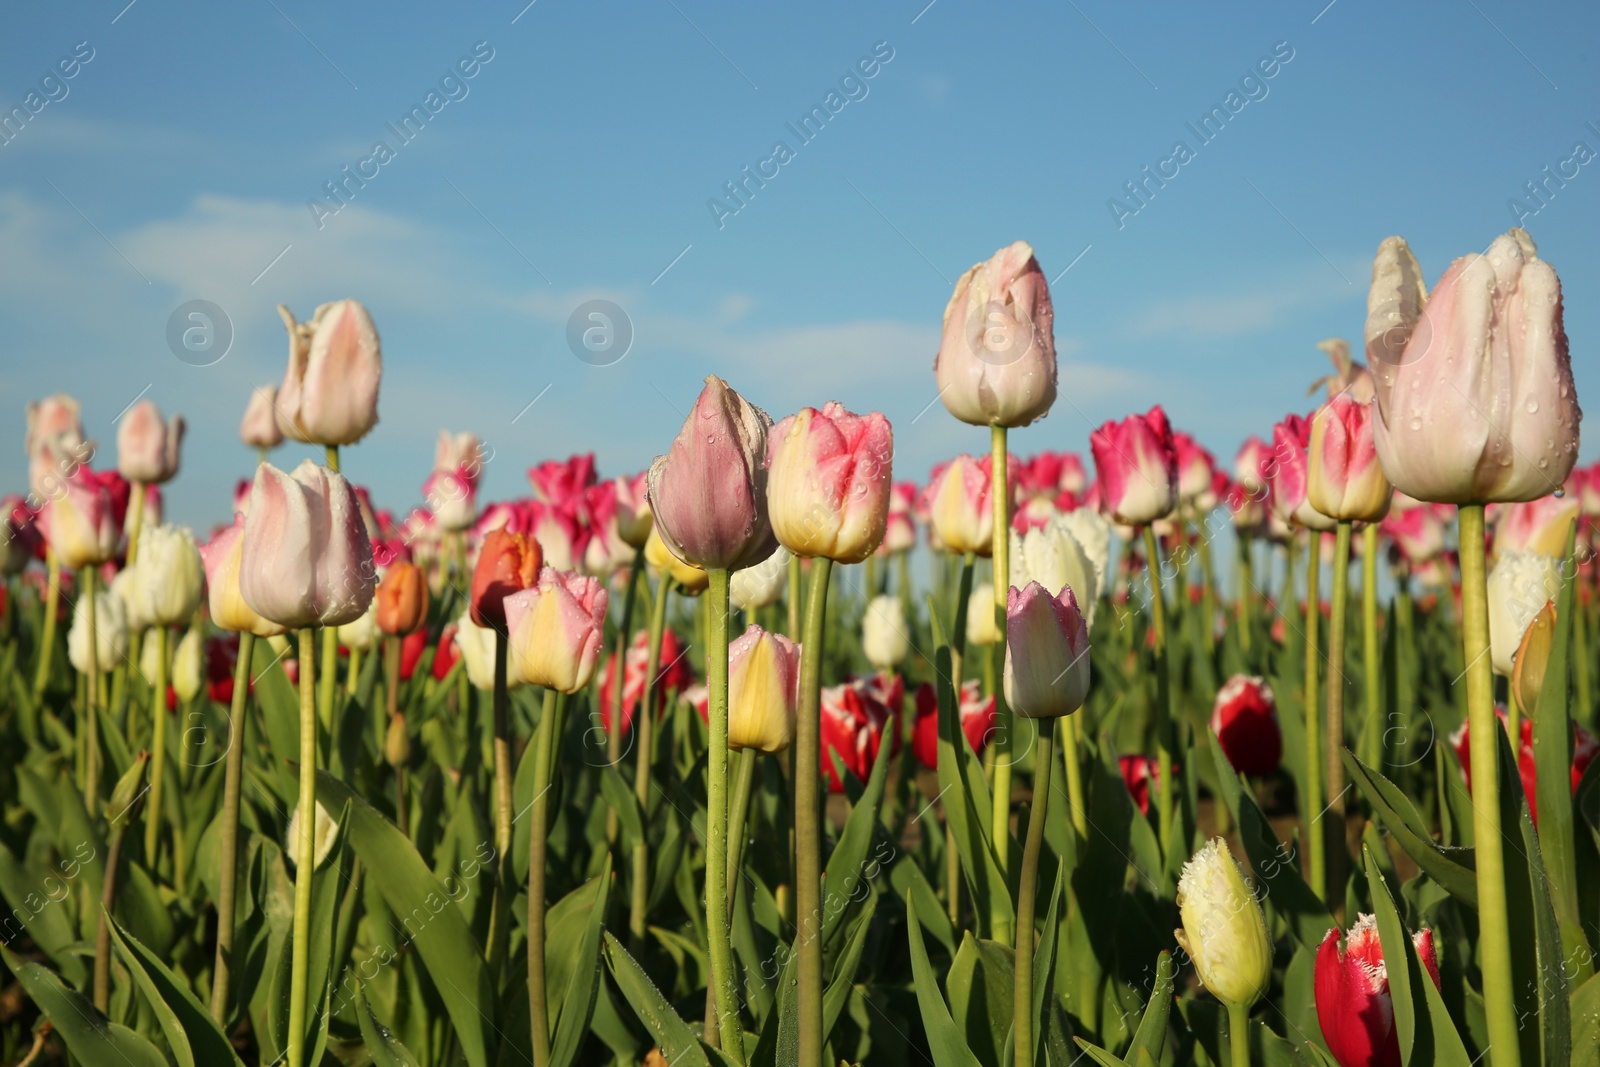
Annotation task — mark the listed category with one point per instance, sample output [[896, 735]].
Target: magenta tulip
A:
[[1137, 465]]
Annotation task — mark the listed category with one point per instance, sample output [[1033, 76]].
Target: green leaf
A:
[[381, 1044], [1151, 1036], [1529, 906], [678, 1043], [945, 1041], [583, 979], [43, 916], [90, 1036], [623, 802], [1453, 868], [850, 870], [1100, 1055], [844, 969], [184, 1020]]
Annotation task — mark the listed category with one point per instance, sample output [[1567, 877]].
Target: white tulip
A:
[[170, 577], [1519, 586], [110, 628], [883, 632], [762, 585]]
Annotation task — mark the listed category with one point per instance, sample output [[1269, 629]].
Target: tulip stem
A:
[[1482, 728], [538, 1006], [1000, 816], [737, 835], [1022, 984], [52, 604], [718, 934], [305, 850], [644, 739], [1239, 1033], [1208, 591], [808, 819], [1581, 681], [619, 664], [1371, 657], [135, 519], [1313, 799], [958, 628], [1070, 753], [500, 907], [1241, 606], [330, 678], [102, 933], [91, 703], [158, 750], [332, 455], [352, 678], [393, 652], [1335, 724], [1158, 620], [792, 599], [233, 775]]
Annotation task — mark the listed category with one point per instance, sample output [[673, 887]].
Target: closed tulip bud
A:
[[1047, 652], [55, 443], [556, 481], [1196, 467], [1289, 474], [397, 742], [556, 630], [1344, 479], [997, 356], [259, 428], [402, 599], [329, 394], [150, 661], [507, 563], [1052, 556], [828, 482], [1354, 1007], [900, 529], [959, 506], [452, 498], [1224, 931], [1479, 404], [1536, 525], [763, 690], [634, 520], [709, 492], [1520, 584], [981, 629], [324, 832], [1138, 772], [1584, 749], [1245, 720], [883, 632], [170, 576], [475, 646], [80, 523], [306, 558], [222, 556], [127, 793], [690, 579], [147, 448], [110, 632], [1137, 463], [1250, 463], [361, 633], [1349, 378], [188, 668], [763, 585]]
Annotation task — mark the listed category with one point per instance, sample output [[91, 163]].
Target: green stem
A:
[[1069, 752], [102, 934], [958, 630], [305, 851], [1335, 725], [792, 601], [1208, 590], [52, 604], [1581, 683], [1312, 806], [330, 677], [538, 1006], [500, 906], [718, 934], [1022, 985], [644, 742], [1158, 617], [1494, 930], [808, 821], [1005, 728], [331, 454], [135, 519], [1239, 1033], [158, 749], [1247, 584], [233, 776], [352, 678], [1371, 657], [740, 812], [91, 705], [393, 650], [619, 663]]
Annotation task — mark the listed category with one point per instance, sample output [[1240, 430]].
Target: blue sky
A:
[[577, 163]]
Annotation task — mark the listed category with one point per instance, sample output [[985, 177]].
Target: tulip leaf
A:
[[623, 802], [582, 980], [326, 883], [1151, 1036], [945, 1040], [1100, 1055], [844, 969], [186, 1023], [1585, 1008], [89, 1035], [848, 868], [42, 917], [430, 919], [678, 1043], [908, 878], [1453, 868], [382, 1046]]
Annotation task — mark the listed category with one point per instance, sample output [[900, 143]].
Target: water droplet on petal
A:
[[1532, 406]]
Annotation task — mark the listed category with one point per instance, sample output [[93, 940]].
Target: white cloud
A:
[[1250, 306]]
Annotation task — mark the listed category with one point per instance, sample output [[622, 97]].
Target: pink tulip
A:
[[1417, 529], [556, 629], [557, 481], [329, 394], [55, 443], [1250, 462], [633, 516], [960, 509], [461, 452], [147, 448], [1137, 463], [828, 482], [1246, 507], [1288, 474], [80, 521], [1536, 525], [307, 557], [1196, 468], [259, 428], [604, 549], [1344, 478], [1349, 378], [452, 497], [997, 358], [1047, 652], [709, 492], [900, 528], [1480, 405]]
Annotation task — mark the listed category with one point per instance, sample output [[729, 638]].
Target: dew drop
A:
[[1561, 491], [1532, 406], [1416, 422]]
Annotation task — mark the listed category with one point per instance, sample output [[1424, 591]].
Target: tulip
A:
[[221, 659], [883, 632], [19, 535], [709, 492], [672, 675], [1196, 468], [1052, 556], [306, 557], [1137, 463], [690, 579], [1344, 479], [763, 690], [474, 646], [55, 443], [80, 523], [762, 585], [828, 482], [959, 506], [110, 631], [125, 587], [900, 530], [981, 629], [1251, 462], [359, 634], [329, 394], [187, 674], [147, 448], [605, 550], [1584, 749], [1520, 584], [1137, 774], [452, 498], [1224, 931], [1245, 720], [259, 428], [1417, 529], [977, 714], [997, 357], [1479, 404], [169, 576], [507, 563], [1047, 652], [1289, 475], [854, 717], [556, 628], [1245, 508], [1536, 525], [1352, 993], [402, 600], [221, 557], [634, 520], [1349, 378], [324, 832], [558, 481]]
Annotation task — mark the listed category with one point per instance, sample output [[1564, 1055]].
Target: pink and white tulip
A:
[[306, 558], [997, 356], [1137, 465], [556, 628], [828, 482], [329, 394]]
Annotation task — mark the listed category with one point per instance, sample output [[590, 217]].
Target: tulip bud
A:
[[981, 628], [959, 506], [1417, 529], [762, 585], [360, 633], [1520, 584], [1249, 463], [1245, 720], [883, 632], [259, 428], [170, 578], [690, 579], [507, 563], [1196, 468], [1344, 478], [709, 492], [55, 444], [329, 394], [324, 832], [1479, 405], [1536, 525], [475, 646], [997, 356], [1052, 556], [110, 631], [147, 448], [1224, 931], [188, 673], [633, 519], [828, 482], [763, 690], [556, 629], [221, 557], [402, 599], [1137, 774], [1533, 657], [1289, 474], [1584, 749], [556, 481], [397, 742], [1354, 1007], [452, 497], [127, 793], [977, 714], [1047, 652], [1137, 463], [306, 558], [80, 522]]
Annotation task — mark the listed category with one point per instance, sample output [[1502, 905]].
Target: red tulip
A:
[[977, 721], [672, 674], [1352, 990], [412, 646], [854, 717], [1584, 749], [507, 563], [447, 654], [1136, 461], [1245, 720], [1138, 774], [222, 659]]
